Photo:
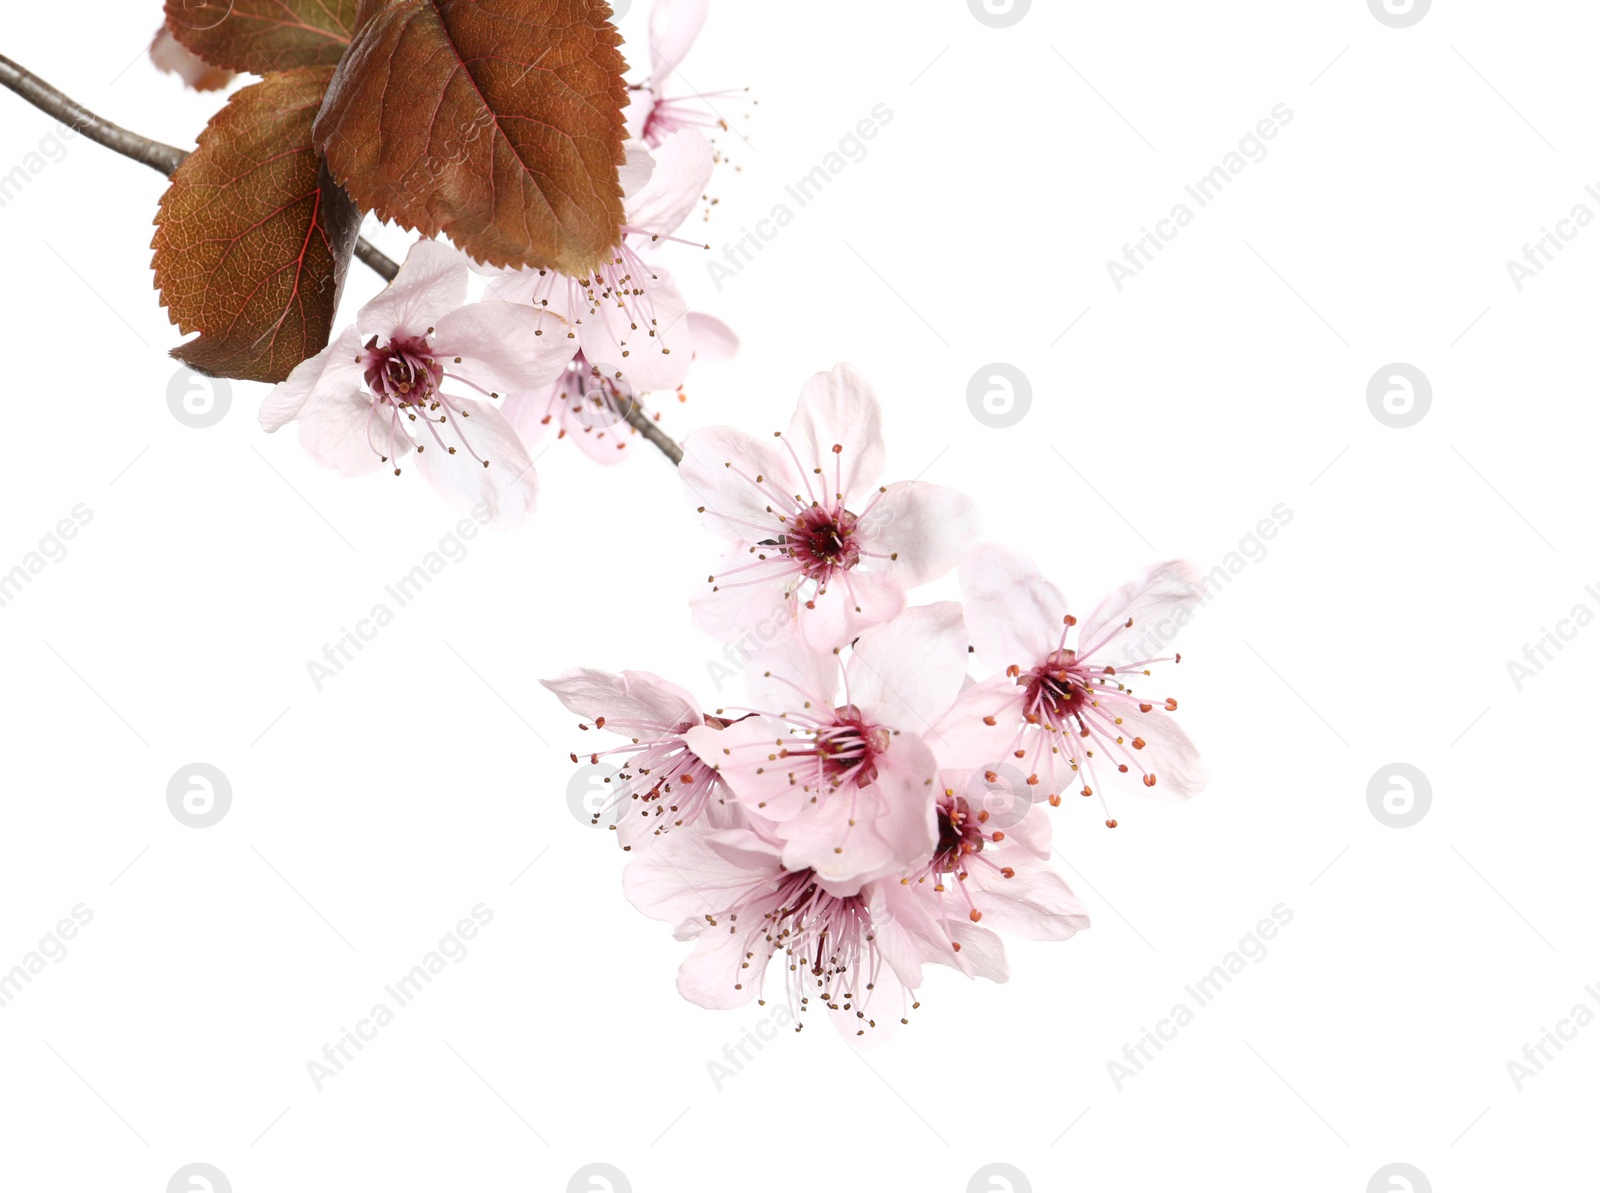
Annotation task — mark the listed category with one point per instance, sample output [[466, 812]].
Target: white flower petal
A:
[[503, 346], [432, 282], [507, 489], [838, 409], [1014, 615], [674, 25]]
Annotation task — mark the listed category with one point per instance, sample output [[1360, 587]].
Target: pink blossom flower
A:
[[629, 319], [654, 116], [993, 869], [376, 396], [816, 540], [860, 956], [847, 785], [1070, 714], [590, 407], [661, 784]]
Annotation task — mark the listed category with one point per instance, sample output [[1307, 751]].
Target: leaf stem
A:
[[165, 159]]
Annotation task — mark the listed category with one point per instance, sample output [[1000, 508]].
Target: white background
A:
[[430, 776]]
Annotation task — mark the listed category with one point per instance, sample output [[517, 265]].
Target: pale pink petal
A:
[[432, 283], [734, 480], [683, 164], [1168, 754], [503, 494], [713, 974], [852, 835], [838, 409], [713, 339], [908, 673], [674, 25], [746, 755], [747, 615], [678, 877], [961, 737], [502, 346], [791, 674], [632, 703], [532, 413], [854, 601], [1034, 903], [1157, 602], [637, 167], [982, 952], [544, 289], [331, 373], [1014, 615], [928, 529], [334, 432]]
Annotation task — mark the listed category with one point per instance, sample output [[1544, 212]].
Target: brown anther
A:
[[1149, 780], [1146, 707], [1111, 824], [1138, 743], [975, 915], [1172, 705]]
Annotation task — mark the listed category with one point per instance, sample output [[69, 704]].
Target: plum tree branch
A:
[[165, 159]]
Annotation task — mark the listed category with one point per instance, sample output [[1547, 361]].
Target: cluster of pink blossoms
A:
[[874, 807], [462, 392]]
